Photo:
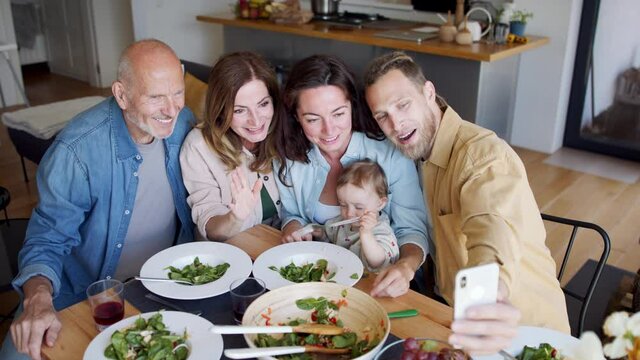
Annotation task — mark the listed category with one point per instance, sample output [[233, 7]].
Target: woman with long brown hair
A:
[[226, 158], [327, 129]]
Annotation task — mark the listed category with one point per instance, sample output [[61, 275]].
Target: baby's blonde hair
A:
[[364, 172]]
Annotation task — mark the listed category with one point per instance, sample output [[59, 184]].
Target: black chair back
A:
[[586, 298]]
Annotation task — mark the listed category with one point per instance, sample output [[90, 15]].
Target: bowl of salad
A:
[[364, 321], [420, 349]]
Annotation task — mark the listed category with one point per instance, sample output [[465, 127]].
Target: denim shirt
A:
[[87, 183], [405, 208]]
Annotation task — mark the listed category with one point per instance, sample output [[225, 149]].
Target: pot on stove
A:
[[325, 8]]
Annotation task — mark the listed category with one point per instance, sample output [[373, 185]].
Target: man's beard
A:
[[414, 151], [421, 149]]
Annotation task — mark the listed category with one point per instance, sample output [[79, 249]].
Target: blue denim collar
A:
[[124, 146]]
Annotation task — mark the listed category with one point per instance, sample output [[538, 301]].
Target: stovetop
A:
[[349, 18]]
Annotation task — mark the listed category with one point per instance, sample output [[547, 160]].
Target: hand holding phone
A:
[[475, 286]]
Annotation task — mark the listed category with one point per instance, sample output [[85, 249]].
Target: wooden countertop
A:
[[433, 320], [477, 51]]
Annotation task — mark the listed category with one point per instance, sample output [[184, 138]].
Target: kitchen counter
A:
[[477, 51], [479, 80]]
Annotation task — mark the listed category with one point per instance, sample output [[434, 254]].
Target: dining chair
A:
[[586, 298], [12, 234]]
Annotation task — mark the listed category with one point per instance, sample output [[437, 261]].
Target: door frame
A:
[[579, 87]]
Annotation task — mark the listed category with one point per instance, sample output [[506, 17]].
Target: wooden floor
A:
[[613, 205]]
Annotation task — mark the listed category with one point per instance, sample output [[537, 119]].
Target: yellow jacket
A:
[[483, 211]]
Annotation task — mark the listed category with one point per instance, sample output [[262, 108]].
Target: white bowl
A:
[[362, 314]]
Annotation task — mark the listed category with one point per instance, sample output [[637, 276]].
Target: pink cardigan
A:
[[209, 182]]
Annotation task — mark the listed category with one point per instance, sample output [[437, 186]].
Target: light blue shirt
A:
[[405, 207], [87, 184], [325, 212]]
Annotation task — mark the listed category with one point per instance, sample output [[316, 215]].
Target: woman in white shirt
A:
[[226, 158]]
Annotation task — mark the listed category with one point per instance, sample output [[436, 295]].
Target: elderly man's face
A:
[[154, 97], [403, 113]]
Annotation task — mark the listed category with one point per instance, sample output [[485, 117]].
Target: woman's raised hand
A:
[[243, 198]]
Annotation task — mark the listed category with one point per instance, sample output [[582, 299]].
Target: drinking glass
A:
[[107, 302], [500, 32], [243, 292]]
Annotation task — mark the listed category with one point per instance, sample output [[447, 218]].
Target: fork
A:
[[143, 278], [506, 355], [171, 305]]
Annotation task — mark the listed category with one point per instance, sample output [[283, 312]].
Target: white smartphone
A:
[[475, 286]]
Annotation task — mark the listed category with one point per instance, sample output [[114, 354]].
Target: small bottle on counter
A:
[[254, 11], [244, 8]]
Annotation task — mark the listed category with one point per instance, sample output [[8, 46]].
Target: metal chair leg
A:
[[2, 97], [24, 170]]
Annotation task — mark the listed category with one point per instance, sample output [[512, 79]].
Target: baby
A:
[[362, 193]]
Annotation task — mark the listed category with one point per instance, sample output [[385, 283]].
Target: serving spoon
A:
[[248, 353], [319, 329]]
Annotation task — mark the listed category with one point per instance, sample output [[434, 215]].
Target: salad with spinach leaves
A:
[[306, 273], [324, 311], [147, 339], [542, 352], [198, 273]]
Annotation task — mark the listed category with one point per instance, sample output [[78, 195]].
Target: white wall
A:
[[113, 26], [174, 22], [544, 79], [616, 49], [8, 36]]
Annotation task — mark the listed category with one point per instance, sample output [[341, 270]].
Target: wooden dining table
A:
[[433, 319]]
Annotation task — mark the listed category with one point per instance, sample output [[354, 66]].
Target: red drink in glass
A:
[[107, 302], [108, 313]]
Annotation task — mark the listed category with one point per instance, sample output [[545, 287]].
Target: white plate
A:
[[340, 260], [211, 253], [202, 343], [534, 336]]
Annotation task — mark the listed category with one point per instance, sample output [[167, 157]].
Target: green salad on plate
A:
[[147, 340], [198, 273], [311, 272]]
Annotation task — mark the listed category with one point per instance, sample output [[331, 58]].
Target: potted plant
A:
[[518, 22]]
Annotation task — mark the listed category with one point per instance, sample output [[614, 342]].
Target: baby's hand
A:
[[368, 221]]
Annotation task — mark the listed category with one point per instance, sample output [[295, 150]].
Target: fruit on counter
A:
[[253, 9]]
